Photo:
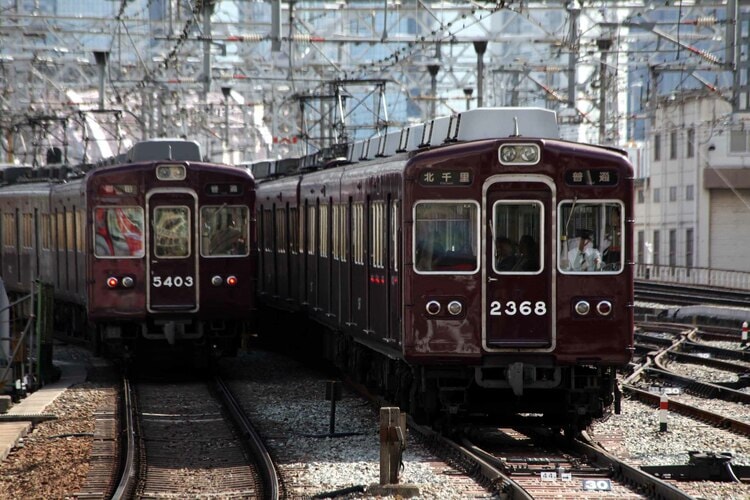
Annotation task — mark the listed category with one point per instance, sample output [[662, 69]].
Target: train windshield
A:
[[224, 231], [171, 227], [517, 230], [591, 236], [118, 232], [446, 237]]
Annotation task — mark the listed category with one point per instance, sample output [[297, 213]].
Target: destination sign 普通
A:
[[591, 177]]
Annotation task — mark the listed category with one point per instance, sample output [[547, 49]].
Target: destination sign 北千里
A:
[[445, 177]]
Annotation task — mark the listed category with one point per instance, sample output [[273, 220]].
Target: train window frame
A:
[[205, 225], [477, 242], [139, 255], [600, 232], [540, 236], [189, 225]]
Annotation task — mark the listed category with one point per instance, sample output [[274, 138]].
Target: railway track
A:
[[191, 440], [674, 294]]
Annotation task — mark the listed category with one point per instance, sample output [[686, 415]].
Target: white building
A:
[[693, 192]]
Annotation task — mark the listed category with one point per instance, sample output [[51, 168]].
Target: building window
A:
[[738, 141], [673, 145], [656, 247], [689, 248], [690, 152], [641, 196], [657, 195], [657, 147], [673, 193], [641, 246], [672, 247], [689, 192]]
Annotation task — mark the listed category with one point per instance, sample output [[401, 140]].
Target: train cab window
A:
[[224, 231], [517, 230], [591, 236], [446, 237], [118, 232], [171, 232]]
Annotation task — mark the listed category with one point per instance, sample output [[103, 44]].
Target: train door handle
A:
[[490, 279]]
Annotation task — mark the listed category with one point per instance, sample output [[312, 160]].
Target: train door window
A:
[[446, 237], [28, 231], [324, 224], [358, 235], [517, 230], [394, 232], [377, 236], [280, 230], [293, 230], [46, 235], [343, 242], [9, 233], [311, 229], [224, 231], [336, 251], [591, 236], [171, 232], [118, 232]]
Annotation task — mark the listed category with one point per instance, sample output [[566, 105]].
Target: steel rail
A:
[[128, 475], [268, 471]]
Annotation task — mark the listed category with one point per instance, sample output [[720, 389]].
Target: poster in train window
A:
[[446, 237], [225, 230], [118, 232], [171, 226]]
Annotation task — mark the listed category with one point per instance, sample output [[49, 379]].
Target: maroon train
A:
[[153, 250], [462, 267]]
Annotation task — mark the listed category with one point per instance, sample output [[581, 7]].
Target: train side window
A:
[[446, 237], [118, 232], [225, 231], [517, 230], [171, 231], [591, 236]]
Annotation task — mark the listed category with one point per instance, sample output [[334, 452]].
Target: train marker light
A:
[[216, 281], [433, 307], [604, 307], [112, 282], [232, 280], [455, 308], [582, 307], [128, 282]]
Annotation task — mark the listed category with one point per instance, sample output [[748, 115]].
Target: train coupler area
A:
[[517, 377]]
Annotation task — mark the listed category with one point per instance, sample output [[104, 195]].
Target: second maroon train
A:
[[473, 265], [152, 251]]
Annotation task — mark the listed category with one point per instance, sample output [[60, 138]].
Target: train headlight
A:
[[519, 154], [433, 307], [508, 154], [232, 280], [217, 281], [112, 282], [582, 307], [128, 282], [455, 308], [604, 307]]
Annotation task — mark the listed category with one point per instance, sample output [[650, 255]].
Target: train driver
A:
[[583, 256]]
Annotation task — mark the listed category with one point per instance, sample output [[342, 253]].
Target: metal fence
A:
[[701, 276]]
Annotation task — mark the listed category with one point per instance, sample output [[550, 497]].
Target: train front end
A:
[[519, 298], [171, 264]]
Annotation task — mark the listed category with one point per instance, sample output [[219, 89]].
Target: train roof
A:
[[165, 149]]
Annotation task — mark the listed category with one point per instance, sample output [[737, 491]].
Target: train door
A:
[[172, 252], [518, 296]]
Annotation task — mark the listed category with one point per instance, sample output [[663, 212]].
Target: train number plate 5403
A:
[[512, 308], [172, 281]]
